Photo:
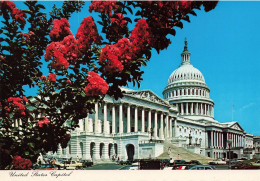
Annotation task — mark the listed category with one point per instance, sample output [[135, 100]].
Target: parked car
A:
[[179, 162], [203, 167], [217, 162], [70, 165], [86, 163], [45, 167], [182, 166], [194, 162], [245, 166], [243, 158], [233, 162]]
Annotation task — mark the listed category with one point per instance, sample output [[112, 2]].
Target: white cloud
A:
[[246, 106]]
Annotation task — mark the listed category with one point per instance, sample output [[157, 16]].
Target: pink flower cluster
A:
[[26, 36], [43, 121], [17, 14], [141, 35], [18, 104], [55, 52], [52, 77], [60, 29], [96, 86], [106, 7], [118, 23], [68, 50], [21, 163], [87, 34], [114, 56]]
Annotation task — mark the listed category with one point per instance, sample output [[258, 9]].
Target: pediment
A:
[[236, 126], [148, 96]]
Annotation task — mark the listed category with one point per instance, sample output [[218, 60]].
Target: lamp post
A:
[[229, 144]]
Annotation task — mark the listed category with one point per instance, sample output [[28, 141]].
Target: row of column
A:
[[188, 92], [217, 139], [195, 109], [237, 140], [164, 127]]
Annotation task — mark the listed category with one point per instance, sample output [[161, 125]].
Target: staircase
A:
[[183, 154]]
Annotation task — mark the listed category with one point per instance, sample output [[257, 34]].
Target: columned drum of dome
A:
[[187, 90]]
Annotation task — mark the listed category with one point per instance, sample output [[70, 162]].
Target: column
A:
[[149, 120], [155, 125], [191, 111], [170, 127], [113, 119], [205, 109], [105, 130], [222, 140], [142, 129], [187, 108], [217, 143], [167, 126], [201, 109], [233, 140], [161, 127], [211, 144], [181, 108], [120, 118], [128, 119], [227, 141], [136, 119], [197, 108], [96, 118], [175, 127], [86, 123]]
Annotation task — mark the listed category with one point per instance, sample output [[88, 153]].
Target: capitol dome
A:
[[187, 90], [186, 72]]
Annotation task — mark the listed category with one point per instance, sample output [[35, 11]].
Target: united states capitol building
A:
[[139, 124]]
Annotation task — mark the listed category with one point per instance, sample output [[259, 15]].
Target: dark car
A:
[[45, 167], [86, 163], [179, 162], [194, 162], [244, 166], [202, 167]]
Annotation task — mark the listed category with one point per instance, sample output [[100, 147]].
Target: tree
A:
[[82, 69]]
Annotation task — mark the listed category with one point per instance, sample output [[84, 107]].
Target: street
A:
[[113, 166]]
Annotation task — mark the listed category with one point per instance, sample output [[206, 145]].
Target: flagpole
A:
[[233, 114]]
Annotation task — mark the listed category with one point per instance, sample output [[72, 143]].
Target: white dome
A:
[[186, 72]]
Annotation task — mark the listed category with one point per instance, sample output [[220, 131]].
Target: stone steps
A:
[[183, 154]]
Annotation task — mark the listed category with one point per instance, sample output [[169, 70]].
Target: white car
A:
[[217, 162]]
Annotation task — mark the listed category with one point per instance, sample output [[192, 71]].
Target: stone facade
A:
[[137, 125]]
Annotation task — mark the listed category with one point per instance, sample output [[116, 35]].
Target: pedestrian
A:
[[178, 157], [169, 150]]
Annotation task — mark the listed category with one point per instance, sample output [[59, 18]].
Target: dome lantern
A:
[[185, 54]]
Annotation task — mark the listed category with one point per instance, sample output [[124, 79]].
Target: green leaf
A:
[[26, 153]]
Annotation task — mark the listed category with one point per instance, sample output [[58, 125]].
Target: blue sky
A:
[[224, 45]]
